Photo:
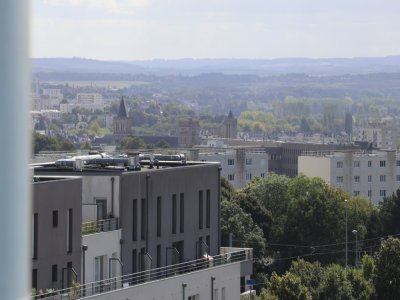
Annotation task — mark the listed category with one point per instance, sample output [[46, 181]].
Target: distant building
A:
[[239, 166], [188, 132], [373, 175], [381, 136], [121, 123], [88, 101], [229, 127]]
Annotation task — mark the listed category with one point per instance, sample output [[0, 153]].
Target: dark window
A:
[[208, 242], [142, 259], [200, 209], [55, 218], [158, 216], [34, 278], [182, 213], [35, 236], [69, 273], [208, 208], [143, 220], [69, 229], [134, 261], [158, 256], [54, 273], [134, 219], [173, 213]]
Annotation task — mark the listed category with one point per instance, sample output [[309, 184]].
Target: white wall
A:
[[313, 166], [226, 276], [99, 244], [99, 187]]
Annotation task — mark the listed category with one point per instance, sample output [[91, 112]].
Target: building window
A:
[[35, 234], [356, 164], [398, 163], [231, 177], [382, 163], [357, 179], [370, 193], [369, 163], [208, 208], [339, 179], [54, 273], [182, 213], [339, 164], [158, 256], [369, 178], [143, 220], [231, 162], [158, 216], [134, 261], [200, 209], [34, 278], [134, 219], [208, 242], [397, 177], [249, 161], [55, 218], [69, 230], [248, 176], [382, 193], [262, 175], [174, 208], [382, 178], [356, 193]]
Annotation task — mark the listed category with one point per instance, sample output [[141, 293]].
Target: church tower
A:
[[122, 124], [229, 127]]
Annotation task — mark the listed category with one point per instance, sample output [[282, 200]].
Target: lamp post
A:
[[346, 229], [355, 232]]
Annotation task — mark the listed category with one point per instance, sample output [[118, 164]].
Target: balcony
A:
[[229, 256], [104, 225]]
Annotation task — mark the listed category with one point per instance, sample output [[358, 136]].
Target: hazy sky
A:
[[147, 29]]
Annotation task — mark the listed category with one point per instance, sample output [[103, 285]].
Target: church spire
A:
[[122, 110]]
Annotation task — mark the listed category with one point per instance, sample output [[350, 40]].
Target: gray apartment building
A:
[[56, 232]]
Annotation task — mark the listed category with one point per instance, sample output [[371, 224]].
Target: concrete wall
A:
[[57, 195], [99, 187], [102, 244], [227, 277], [164, 183], [315, 167]]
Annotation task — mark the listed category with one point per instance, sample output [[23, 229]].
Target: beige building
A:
[[381, 136], [229, 127], [188, 132], [373, 175]]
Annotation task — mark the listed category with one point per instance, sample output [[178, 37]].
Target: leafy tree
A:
[[288, 286], [362, 288], [44, 143], [310, 275], [389, 209], [132, 143], [335, 284], [387, 279]]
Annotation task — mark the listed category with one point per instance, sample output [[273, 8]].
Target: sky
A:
[[253, 29]]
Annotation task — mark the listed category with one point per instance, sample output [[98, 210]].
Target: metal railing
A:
[[104, 225], [117, 283]]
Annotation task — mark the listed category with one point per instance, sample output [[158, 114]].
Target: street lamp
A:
[[355, 232], [346, 229]]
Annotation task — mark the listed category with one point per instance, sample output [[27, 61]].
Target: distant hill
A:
[[188, 66]]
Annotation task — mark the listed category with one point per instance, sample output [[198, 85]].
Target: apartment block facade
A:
[[373, 175]]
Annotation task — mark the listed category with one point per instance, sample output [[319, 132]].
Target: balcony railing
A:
[[117, 283], [90, 227]]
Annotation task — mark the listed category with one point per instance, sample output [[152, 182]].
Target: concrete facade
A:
[[381, 136], [56, 231], [373, 175], [239, 166]]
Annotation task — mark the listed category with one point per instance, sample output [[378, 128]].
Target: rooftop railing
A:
[[104, 225], [117, 283]]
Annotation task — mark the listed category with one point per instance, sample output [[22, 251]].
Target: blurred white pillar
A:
[[15, 147]]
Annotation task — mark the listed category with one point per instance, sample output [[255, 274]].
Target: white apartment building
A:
[[372, 175], [49, 99], [381, 136], [239, 166], [89, 101]]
